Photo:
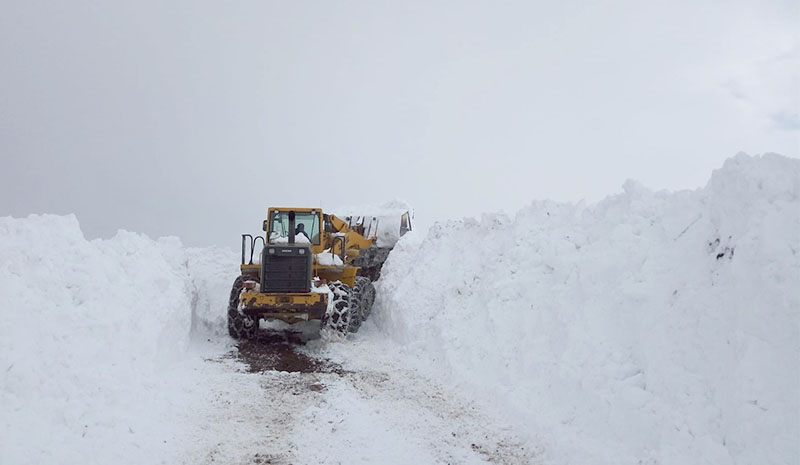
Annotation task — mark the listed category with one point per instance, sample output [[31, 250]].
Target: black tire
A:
[[338, 315], [363, 298], [371, 261], [367, 298], [239, 326], [356, 316]]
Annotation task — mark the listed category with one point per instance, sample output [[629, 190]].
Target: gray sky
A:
[[190, 118]]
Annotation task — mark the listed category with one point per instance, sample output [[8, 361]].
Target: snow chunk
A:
[[387, 215], [327, 258], [298, 239]]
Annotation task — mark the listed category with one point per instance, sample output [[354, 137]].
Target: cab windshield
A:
[[306, 227]]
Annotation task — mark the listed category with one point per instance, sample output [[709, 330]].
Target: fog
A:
[[190, 118]]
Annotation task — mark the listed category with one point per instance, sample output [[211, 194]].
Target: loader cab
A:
[[278, 228]]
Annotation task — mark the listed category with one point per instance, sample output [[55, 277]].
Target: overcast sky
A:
[[190, 118]]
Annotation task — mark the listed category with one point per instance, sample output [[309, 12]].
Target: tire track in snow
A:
[[414, 418], [347, 403]]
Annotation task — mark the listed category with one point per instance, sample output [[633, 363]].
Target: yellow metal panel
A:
[[345, 274], [286, 209], [291, 307], [259, 299], [250, 269]]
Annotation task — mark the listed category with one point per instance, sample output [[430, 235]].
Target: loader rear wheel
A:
[[338, 315], [240, 326], [367, 297], [363, 297]]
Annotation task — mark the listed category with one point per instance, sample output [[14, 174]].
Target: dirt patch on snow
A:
[[266, 355]]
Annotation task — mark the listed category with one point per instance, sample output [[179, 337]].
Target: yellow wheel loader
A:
[[308, 266]]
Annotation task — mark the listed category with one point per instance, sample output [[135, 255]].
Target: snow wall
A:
[[650, 328], [93, 339]]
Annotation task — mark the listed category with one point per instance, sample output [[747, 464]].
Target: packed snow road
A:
[[349, 402]]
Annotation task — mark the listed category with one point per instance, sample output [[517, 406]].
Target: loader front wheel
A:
[[239, 326], [337, 317]]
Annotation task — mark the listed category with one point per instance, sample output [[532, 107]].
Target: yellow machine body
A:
[[335, 236], [330, 236], [284, 276]]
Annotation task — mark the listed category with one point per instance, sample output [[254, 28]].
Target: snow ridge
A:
[[652, 327]]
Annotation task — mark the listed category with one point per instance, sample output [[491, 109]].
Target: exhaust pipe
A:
[[291, 227]]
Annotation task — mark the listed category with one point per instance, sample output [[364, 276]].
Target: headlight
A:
[[302, 251]]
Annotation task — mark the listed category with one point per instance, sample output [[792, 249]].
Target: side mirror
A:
[[264, 225], [405, 223]]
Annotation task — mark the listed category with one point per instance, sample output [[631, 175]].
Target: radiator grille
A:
[[286, 269]]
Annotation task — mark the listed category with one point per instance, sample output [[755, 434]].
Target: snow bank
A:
[[93, 338], [210, 272], [388, 217], [650, 328]]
